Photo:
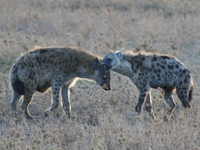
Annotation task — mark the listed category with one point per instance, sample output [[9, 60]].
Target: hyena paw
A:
[[167, 118], [67, 112], [47, 112], [148, 108], [152, 115], [29, 117], [138, 109], [14, 113], [187, 105]]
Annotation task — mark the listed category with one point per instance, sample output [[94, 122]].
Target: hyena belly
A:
[[44, 80], [43, 87], [166, 79]]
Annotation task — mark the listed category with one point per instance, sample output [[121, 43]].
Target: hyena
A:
[[55, 67], [153, 71]]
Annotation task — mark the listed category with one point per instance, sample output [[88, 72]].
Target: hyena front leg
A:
[[148, 105], [143, 93], [66, 97], [169, 100], [55, 86], [66, 100]]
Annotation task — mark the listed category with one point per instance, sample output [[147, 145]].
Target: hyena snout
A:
[[104, 78], [104, 83], [106, 87]]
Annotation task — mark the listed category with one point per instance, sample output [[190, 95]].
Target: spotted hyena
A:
[[152, 71], [57, 68]]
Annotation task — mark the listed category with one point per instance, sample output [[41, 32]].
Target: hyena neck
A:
[[86, 71], [124, 68]]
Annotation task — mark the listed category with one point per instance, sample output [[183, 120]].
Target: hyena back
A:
[[57, 68], [152, 71]]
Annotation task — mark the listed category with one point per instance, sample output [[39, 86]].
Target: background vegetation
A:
[[100, 120]]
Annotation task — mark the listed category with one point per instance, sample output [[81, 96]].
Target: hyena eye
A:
[[109, 59]]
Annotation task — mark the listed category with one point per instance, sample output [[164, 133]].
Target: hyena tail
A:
[[18, 86], [191, 92]]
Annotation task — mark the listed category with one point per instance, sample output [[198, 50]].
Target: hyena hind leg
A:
[[169, 100], [148, 105], [55, 100], [25, 104], [15, 99]]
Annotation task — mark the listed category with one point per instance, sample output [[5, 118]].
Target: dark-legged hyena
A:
[[57, 68], [152, 71]]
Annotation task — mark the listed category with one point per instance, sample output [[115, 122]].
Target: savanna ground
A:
[[101, 120]]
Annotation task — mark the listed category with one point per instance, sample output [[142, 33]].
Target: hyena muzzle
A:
[[57, 68]]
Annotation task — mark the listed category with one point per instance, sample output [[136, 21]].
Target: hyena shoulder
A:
[[142, 58]]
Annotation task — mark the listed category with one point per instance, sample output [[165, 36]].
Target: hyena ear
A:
[[96, 63], [119, 54]]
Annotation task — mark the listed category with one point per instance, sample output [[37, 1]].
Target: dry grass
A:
[[100, 120]]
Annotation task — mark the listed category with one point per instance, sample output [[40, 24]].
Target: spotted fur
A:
[[152, 71], [57, 68]]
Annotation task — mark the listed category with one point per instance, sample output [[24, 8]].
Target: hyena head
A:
[[101, 76], [112, 60]]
